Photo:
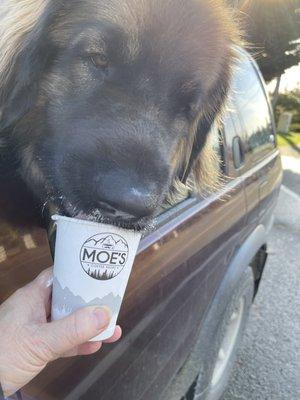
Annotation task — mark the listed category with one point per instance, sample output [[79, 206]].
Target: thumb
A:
[[63, 335]]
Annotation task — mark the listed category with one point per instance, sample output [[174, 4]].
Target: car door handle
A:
[[237, 152], [263, 181]]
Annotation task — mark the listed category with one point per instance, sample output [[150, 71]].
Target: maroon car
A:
[[192, 283]]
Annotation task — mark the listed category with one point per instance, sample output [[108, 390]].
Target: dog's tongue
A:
[[89, 217], [82, 215]]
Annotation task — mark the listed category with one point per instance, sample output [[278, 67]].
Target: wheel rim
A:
[[228, 342]]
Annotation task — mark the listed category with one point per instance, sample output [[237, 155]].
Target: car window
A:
[[253, 109], [180, 196], [219, 145], [230, 131], [216, 141]]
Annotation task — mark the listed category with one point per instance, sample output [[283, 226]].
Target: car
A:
[[194, 278]]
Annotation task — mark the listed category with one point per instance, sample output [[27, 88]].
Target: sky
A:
[[289, 81]]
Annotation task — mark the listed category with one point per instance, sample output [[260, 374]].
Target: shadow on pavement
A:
[[267, 366], [291, 179]]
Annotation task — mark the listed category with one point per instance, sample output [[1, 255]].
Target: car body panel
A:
[[178, 269], [24, 246]]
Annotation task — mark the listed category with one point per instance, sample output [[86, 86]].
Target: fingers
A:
[[44, 279], [43, 283], [61, 337], [41, 287], [93, 347], [116, 336], [32, 300], [84, 349]]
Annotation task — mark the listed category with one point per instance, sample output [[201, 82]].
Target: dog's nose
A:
[[134, 202]]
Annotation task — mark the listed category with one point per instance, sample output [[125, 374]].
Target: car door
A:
[[176, 273], [174, 279], [255, 123], [267, 155]]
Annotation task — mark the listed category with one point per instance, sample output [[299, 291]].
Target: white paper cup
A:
[[92, 266]]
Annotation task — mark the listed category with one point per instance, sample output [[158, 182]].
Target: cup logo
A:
[[103, 256]]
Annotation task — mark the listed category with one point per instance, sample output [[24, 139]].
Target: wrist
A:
[[6, 389], [7, 375], [15, 396], [9, 393], [1, 392]]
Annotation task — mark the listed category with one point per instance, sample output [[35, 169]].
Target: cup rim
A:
[[57, 217]]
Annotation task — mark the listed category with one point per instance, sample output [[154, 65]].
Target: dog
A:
[[107, 106]]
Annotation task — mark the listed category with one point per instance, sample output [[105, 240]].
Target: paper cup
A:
[[91, 268]]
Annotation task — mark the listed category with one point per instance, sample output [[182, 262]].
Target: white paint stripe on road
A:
[[291, 163], [290, 192]]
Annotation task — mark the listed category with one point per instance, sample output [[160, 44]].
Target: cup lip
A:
[[57, 217]]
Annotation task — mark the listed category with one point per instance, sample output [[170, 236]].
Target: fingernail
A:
[[101, 317], [49, 282]]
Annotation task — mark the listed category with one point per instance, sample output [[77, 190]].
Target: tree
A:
[[273, 30], [290, 101]]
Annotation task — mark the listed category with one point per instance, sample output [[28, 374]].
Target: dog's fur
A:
[[146, 116]]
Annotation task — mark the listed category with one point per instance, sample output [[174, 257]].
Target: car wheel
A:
[[220, 337]]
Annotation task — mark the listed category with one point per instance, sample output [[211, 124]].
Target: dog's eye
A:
[[99, 60]]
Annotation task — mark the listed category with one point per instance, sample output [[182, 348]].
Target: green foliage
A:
[[291, 139], [273, 30], [295, 127], [289, 102], [296, 119]]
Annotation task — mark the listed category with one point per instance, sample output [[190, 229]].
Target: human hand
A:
[[28, 342]]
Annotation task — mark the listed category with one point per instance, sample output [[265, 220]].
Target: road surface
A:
[[268, 364]]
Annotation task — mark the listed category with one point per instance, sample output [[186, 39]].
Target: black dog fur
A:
[[106, 105]]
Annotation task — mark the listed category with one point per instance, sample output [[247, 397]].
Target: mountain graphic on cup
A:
[[65, 301], [103, 256]]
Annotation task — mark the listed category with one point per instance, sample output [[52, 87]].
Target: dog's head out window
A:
[[111, 103]]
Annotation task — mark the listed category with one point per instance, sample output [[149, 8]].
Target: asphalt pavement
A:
[[268, 363]]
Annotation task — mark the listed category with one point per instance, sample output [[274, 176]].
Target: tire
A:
[[220, 337]]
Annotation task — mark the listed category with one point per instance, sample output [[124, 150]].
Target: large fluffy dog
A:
[[107, 105]]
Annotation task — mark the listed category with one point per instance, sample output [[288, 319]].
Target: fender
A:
[[240, 262], [242, 259]]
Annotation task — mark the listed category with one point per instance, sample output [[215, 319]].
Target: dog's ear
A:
[[204, 160], [20, 77]]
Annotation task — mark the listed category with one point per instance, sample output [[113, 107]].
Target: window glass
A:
[[218, 146], [182, 192], [253, 108]]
